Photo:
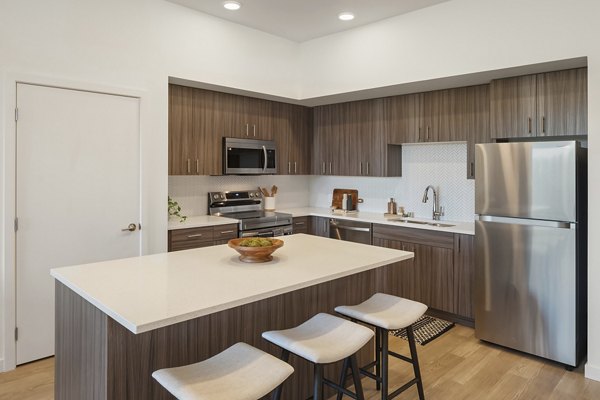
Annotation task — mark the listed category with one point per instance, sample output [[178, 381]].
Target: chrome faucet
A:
[[437, 210]]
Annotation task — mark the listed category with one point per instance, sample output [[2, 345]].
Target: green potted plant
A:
[[175, 210]]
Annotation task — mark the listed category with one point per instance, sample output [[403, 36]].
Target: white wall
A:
[[468, 36], [134, 44], [443, 165]]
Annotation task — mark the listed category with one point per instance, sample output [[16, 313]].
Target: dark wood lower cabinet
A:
[[319, 226], [301, 224], [441, 273], [193, 238]]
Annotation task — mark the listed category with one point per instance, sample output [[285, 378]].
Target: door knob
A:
[[131, 227]]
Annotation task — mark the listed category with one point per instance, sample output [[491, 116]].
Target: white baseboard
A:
[[592, 372]]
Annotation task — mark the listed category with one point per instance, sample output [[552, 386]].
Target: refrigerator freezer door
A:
[[525, 288], [534, 180]]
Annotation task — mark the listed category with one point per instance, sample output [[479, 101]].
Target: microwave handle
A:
[[265, 155]]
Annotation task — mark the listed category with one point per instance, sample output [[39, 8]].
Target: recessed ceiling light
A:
[[232, 5], [346, 16]]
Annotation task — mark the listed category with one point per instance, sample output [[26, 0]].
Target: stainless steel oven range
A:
[[247, 207]]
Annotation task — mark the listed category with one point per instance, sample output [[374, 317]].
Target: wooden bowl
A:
[[255, 254]]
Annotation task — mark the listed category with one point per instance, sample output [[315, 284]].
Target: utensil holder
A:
[[269, 203]]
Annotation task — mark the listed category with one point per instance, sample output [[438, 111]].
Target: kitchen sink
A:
[[404, 221], [440, 225]]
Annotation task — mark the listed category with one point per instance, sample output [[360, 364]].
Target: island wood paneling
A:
[[117, 364], [81, 348]]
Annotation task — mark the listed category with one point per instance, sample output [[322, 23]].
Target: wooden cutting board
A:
[[338, 195]]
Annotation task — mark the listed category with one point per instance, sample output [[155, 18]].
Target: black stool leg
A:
[[342, 382], [318, 383], [384, 364], [378, 357], [285, 356], [358, 389], [415, 361]]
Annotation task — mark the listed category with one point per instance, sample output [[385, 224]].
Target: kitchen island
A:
[[118, 321]]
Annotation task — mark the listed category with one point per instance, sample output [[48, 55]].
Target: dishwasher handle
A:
[[333, 223]]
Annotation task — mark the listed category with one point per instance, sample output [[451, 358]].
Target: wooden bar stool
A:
[[325, 339], [240, 372], [385, 313]]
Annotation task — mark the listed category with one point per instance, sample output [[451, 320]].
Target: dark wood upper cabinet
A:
[[562, 103], [349, 139], [292, 135], [181, 141], [548, 104]]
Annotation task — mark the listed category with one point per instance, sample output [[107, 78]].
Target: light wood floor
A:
[[454, 366]]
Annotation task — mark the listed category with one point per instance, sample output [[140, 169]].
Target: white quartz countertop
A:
[[150, 292], [200, 221], [467, 228]]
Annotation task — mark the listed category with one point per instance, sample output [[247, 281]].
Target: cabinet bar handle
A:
[[247, 126], [197, 166], [529, 124], [419, 134], [329, 167], [299, 223], [323, 169], [188, 166], [254, 130], [367, 168], [360, 168], [459, 244], [195, 235], [428, 132], [472, 168], [289, 167], [224, 232], [544, 125], [295, 167]]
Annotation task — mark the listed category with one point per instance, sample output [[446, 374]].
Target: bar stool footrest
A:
[[339, 388], [400, 356], [402, 388]]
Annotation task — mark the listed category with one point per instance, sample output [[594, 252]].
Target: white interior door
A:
[[78, 187]]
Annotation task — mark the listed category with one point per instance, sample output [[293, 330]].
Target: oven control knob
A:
[[215, 196], [251, 194], [257, 194], [222, 196]]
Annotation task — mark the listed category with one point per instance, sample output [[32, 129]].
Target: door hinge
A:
[[16, 113], [16, 334], [16, 224]]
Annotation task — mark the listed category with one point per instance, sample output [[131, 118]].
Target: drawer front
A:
[[414, 235], [189, 245], [225, 232], [300, 224], [192, 235]]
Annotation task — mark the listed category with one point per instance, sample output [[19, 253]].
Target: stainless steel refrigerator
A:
[[530, 247]]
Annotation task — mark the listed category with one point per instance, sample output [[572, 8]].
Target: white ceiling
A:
[[302, 20]]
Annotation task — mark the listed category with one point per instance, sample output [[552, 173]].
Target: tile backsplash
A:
[[442, 165], [191, 192]]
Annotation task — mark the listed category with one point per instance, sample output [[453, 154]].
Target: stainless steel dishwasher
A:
[[351, 231]]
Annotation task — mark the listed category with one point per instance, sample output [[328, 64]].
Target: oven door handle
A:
[[265, 156]]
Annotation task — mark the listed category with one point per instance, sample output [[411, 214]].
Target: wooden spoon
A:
[[273, 190]]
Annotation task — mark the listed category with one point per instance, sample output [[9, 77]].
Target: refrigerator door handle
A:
[[525, 221]]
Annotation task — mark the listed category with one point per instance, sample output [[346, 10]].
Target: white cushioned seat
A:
[[240, 372], [323, 339], [385, 311]]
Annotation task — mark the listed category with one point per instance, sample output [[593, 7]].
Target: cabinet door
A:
[[402, 118], [207, 142], [562, 103], [320, 226], [398, 279], [299, 145], [282, 134], [301, 224], [372, 143], [181, 138], [436, 277], [463, 275], [437, 118], [513, 107], [477, 122], [326, 133]]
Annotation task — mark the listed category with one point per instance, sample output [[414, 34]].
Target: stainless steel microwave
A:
[[248, 157]]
